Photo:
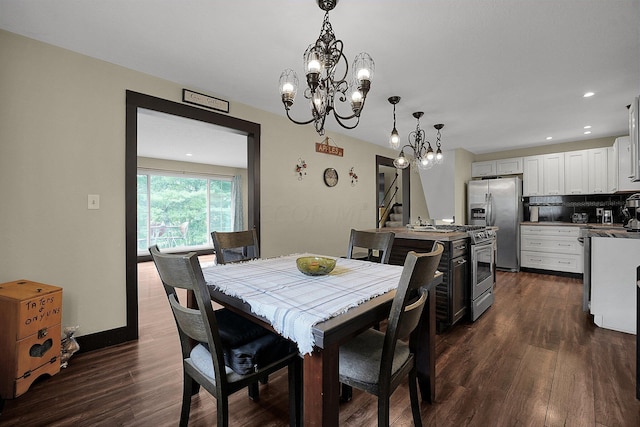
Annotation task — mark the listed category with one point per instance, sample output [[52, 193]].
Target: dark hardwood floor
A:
[[533, 359]]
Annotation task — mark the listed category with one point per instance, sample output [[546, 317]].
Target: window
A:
[[181, 211]]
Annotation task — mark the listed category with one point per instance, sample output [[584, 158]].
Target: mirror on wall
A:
[[392, 189]]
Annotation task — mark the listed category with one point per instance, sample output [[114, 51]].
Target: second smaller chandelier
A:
[[423, 155]]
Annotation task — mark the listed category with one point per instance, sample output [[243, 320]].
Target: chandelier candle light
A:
[[423, 155], [327, 70]]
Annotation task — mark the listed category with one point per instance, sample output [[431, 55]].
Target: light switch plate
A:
[[93, 201]]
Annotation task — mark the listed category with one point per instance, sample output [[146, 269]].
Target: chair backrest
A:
[[235, 246], [184, 272], [371, 240], [406, 309]]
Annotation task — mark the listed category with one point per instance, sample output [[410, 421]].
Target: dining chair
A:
[[371, 241], [235, 246], [230, 247], [375, 361], [204, 364]]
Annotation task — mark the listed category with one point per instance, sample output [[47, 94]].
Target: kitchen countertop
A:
[[594, 229], [405, 233]]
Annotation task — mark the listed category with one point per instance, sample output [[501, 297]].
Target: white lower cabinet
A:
[[553, 248]]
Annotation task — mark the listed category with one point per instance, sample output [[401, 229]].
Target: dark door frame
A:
[[134, 101], [406, 189]]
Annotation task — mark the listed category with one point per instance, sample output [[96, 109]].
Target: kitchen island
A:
[[452, 295], [610, 283]]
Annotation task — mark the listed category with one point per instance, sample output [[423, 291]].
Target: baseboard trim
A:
[[104, 339]]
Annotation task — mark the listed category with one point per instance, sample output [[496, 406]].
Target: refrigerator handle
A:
[[489, 210]]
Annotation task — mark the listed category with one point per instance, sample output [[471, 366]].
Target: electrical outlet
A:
[[93, 201]]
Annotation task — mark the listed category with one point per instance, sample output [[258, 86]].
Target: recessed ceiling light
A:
[[587, 127], [549, 138], [588, 94], [587, 132], [189, 154]]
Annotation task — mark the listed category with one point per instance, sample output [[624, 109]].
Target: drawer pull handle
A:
[[564, 262], [564, 244], [535, 243]]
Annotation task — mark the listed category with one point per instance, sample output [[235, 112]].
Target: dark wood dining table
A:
[[321, 385]]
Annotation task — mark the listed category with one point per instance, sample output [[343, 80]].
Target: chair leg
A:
[[187, 388], [222, 411], [383, 411], [346, 393], [413, 394], [294, 373], [254, 391]]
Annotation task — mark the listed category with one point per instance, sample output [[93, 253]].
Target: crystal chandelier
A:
[[327, 71], [423, 155]]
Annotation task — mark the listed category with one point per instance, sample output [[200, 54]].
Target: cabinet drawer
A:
[[544, 230], [560, 245], [22, 384], [29, 307], [38, 350], [555, 262]]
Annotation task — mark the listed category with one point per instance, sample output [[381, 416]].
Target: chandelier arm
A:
[[338, 119], [296, 121]]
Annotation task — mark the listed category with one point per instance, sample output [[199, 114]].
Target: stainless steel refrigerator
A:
[[498, 202]]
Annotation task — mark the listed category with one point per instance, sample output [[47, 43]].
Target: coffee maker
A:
[[631, 212]]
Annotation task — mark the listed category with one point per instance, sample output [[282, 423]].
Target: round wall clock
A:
[[330, 177]]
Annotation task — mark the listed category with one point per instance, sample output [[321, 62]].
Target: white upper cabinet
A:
[[598, 170], [576, 172], [612, 169], [512, 166], [532, 176], [497, 167], [623, 146], [481, 169], [553, 174]]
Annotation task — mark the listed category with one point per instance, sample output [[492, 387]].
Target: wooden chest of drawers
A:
[[30, 315]]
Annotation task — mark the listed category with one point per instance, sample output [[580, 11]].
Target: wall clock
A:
[[330, 177]]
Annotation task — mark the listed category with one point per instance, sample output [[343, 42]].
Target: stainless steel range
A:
[[483, 268], [483, 264]]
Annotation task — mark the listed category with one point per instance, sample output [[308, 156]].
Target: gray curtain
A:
[[236, 192]]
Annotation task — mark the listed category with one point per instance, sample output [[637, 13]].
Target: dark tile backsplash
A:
[[560, 208]]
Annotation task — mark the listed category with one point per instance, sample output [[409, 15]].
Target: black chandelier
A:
[[322, 61], [423, 155]]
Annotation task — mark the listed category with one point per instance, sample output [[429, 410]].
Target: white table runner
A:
[[293, 302]]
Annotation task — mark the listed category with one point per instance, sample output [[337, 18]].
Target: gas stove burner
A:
[[461, 228]]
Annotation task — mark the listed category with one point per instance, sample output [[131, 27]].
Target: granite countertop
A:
[[595, 225], [405, 233], [594, 229]]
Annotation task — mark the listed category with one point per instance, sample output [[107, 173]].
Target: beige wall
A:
[[62, 137]]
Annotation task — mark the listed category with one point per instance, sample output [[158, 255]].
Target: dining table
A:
[[319, 313]]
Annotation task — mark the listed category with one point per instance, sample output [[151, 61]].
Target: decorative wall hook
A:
[[301, 169], [353, 176]]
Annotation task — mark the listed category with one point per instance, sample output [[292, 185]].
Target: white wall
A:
[[62, 137]]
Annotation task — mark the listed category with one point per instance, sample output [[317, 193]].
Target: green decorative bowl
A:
[[315, 265]]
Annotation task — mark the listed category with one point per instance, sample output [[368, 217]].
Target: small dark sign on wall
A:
[[326, 148], [206, 101]]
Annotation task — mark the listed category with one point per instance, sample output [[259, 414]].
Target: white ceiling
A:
[[499, 74]]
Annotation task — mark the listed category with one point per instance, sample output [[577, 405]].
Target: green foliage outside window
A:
[[176, 212]]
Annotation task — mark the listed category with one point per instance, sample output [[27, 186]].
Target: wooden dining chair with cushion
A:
[[235, 246], [204, 363], [370, 241], [375, 361], [230, 247]]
